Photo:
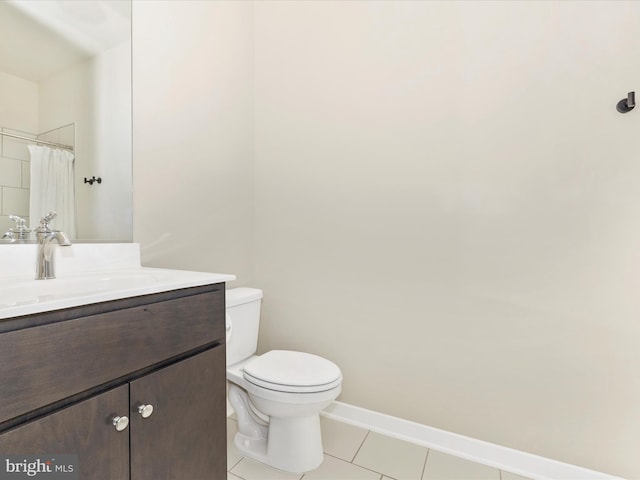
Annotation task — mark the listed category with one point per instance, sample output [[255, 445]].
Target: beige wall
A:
[[193, 135], [447, 207], [445, 200], [18, 103]]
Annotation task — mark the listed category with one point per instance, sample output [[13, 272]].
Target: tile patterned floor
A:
[[352, 453]]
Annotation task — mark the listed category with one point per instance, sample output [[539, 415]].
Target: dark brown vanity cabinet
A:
[[81, 429], [184, 437], [69, 379]]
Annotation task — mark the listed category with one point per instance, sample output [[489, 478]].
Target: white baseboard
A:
[[503, 458]]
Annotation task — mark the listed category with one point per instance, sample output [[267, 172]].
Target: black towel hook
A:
[[626, 104], [93, 179]]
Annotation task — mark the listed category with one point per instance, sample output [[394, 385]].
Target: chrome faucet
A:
[[45, 236]]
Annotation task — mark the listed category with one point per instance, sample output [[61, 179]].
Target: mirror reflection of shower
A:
[[46, 164]]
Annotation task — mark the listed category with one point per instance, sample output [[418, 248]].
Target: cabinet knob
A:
[[145, 411], [121, 423]]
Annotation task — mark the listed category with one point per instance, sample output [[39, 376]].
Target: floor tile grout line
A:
[[382, 474], [424, 466], [360, 447], [360, 466], [426, 449], [235, 465], [235, 474]]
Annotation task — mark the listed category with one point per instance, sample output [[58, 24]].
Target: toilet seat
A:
[[294, 372]]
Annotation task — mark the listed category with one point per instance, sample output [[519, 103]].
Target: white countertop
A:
[[80, 282]]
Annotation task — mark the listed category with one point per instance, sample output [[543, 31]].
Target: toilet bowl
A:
[[277, 396]]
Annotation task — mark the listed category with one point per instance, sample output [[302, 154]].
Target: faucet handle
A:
[[44, 221], [48, 217], [20, 222]]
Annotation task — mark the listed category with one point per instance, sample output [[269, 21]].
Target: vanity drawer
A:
[[47, 363]]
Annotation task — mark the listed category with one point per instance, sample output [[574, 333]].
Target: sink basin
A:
[[22, 295]]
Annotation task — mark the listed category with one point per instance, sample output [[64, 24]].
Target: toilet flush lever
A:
[[228, 328]]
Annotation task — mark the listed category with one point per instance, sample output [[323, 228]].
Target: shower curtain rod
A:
[[35, 140]]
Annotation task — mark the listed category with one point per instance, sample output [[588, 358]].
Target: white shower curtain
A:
[[52, 188]]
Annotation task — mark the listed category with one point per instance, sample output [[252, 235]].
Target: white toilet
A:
[[277, 396]]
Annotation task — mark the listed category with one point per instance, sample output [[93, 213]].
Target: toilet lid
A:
[[288, 371]]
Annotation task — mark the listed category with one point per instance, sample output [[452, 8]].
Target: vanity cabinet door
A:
[[85, 429], [185, 435]]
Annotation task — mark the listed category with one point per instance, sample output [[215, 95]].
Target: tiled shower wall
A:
[[14, 178]]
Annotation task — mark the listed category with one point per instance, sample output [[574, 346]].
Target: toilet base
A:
[[292, 444], [294, 447]]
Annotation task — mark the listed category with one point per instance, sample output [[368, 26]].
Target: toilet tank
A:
[[242, 323]]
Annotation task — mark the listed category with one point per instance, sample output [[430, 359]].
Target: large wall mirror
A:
[[65, 116]]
